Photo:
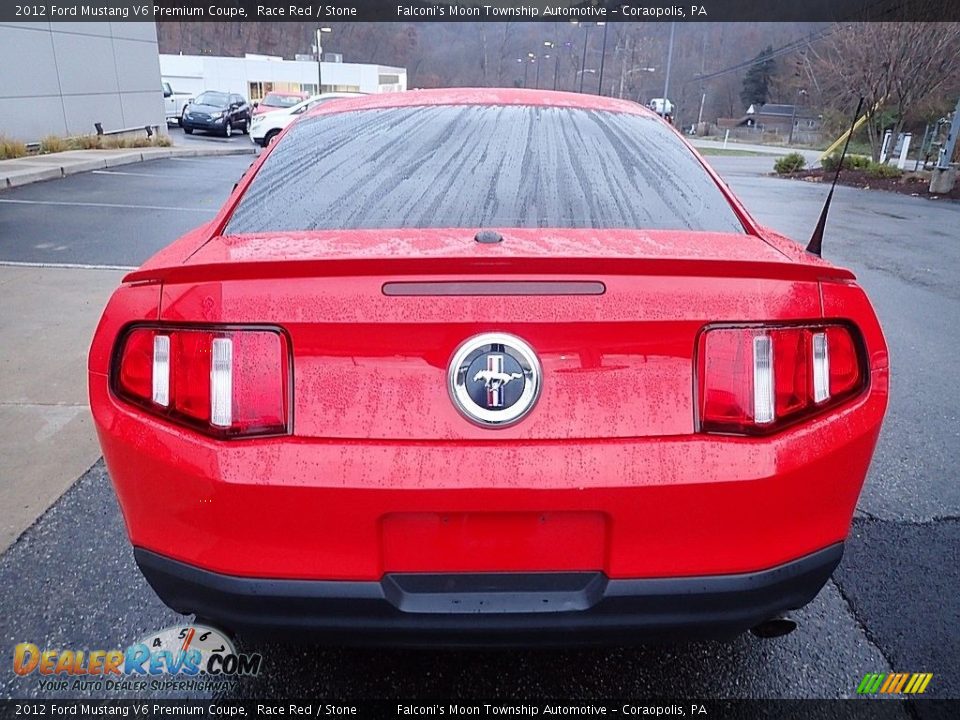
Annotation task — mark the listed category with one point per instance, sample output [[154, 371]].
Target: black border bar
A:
[[316, 11], [667, 708]]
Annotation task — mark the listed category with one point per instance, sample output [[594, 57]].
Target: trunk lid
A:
[[375, 317]]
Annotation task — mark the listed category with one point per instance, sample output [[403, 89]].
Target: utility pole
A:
[[703, 66], [603, 55], [583, 59], [946, 152], [666, 80], [320, 31]]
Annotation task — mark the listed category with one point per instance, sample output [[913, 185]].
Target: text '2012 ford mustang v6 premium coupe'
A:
[[487, 366]]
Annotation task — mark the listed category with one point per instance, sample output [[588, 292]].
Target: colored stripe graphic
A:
[[918, 683], [894, 683], [870, 683]]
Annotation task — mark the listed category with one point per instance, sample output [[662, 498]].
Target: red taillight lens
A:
[[844, 362], [755, 380], [224, 382], [135, 374], [257, 404], [190, 374]]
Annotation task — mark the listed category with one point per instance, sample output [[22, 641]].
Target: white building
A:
[[253, 76]]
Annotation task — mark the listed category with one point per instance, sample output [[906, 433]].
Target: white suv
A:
[[267, 126]]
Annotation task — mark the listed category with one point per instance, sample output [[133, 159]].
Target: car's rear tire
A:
[[271, 136], [245, 127]]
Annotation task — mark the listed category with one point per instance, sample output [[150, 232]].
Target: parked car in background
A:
[[174, 103], [217, 112], [267, 126], [279, 101]]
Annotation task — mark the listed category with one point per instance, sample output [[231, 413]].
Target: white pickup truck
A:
[[173, 103]]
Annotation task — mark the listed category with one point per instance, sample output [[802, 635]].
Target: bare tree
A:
[[897, 67]]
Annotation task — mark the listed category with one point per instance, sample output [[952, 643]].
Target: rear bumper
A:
[[312, 510], [492, 608]]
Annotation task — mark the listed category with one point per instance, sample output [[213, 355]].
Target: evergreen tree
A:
[[756, 83]]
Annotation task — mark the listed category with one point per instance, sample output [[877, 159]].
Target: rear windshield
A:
[[282, 100], [481, 166]]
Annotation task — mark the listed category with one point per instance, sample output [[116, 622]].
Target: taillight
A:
[[755, 380], [229, 382]]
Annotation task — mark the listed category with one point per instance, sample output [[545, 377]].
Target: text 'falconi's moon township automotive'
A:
[[487, 366]]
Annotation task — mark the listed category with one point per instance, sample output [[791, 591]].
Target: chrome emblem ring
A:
[[494, 379]]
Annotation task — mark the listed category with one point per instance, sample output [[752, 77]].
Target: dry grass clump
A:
[[10, 148]]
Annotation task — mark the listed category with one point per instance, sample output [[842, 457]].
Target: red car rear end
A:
[[525, 373]]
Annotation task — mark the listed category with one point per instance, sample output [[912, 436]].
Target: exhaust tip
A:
[[774, 628]]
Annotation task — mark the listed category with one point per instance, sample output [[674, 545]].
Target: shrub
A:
[[113, 142], [789, 163], [850, 162], [10, 148], [86, 142], [119, 142], [882, 170], [53, 144]]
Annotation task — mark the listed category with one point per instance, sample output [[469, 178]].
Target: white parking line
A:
[[136, 174], [73, 266], [209, 211], [204, 160]]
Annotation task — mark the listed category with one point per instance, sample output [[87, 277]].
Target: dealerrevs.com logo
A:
[[173, 658]]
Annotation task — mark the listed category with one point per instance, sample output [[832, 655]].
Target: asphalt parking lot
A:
[[70, 580]]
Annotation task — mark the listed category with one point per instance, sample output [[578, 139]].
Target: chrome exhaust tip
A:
[[774, 628]]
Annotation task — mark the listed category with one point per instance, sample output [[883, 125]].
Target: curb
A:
[[25, 171]]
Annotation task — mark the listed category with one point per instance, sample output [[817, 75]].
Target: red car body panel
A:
[[382, 475]]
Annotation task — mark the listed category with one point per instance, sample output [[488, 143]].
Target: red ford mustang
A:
[[482, 366]]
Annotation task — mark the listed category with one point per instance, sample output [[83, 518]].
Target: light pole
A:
[[533, 58], [556, 59], [603, 54], [569, 50], [320, 31], [583, 58], [666, 80], [793, 117], [526, 66]]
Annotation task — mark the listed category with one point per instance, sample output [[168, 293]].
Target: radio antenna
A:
[[815, 246]]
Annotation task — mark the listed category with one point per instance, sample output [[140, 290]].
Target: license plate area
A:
[[431, 542]]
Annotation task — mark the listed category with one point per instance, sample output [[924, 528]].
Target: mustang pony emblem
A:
[[490, 377], [494, 378]]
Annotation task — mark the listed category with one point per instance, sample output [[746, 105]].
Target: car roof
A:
[[482, 96], [315, 98]]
